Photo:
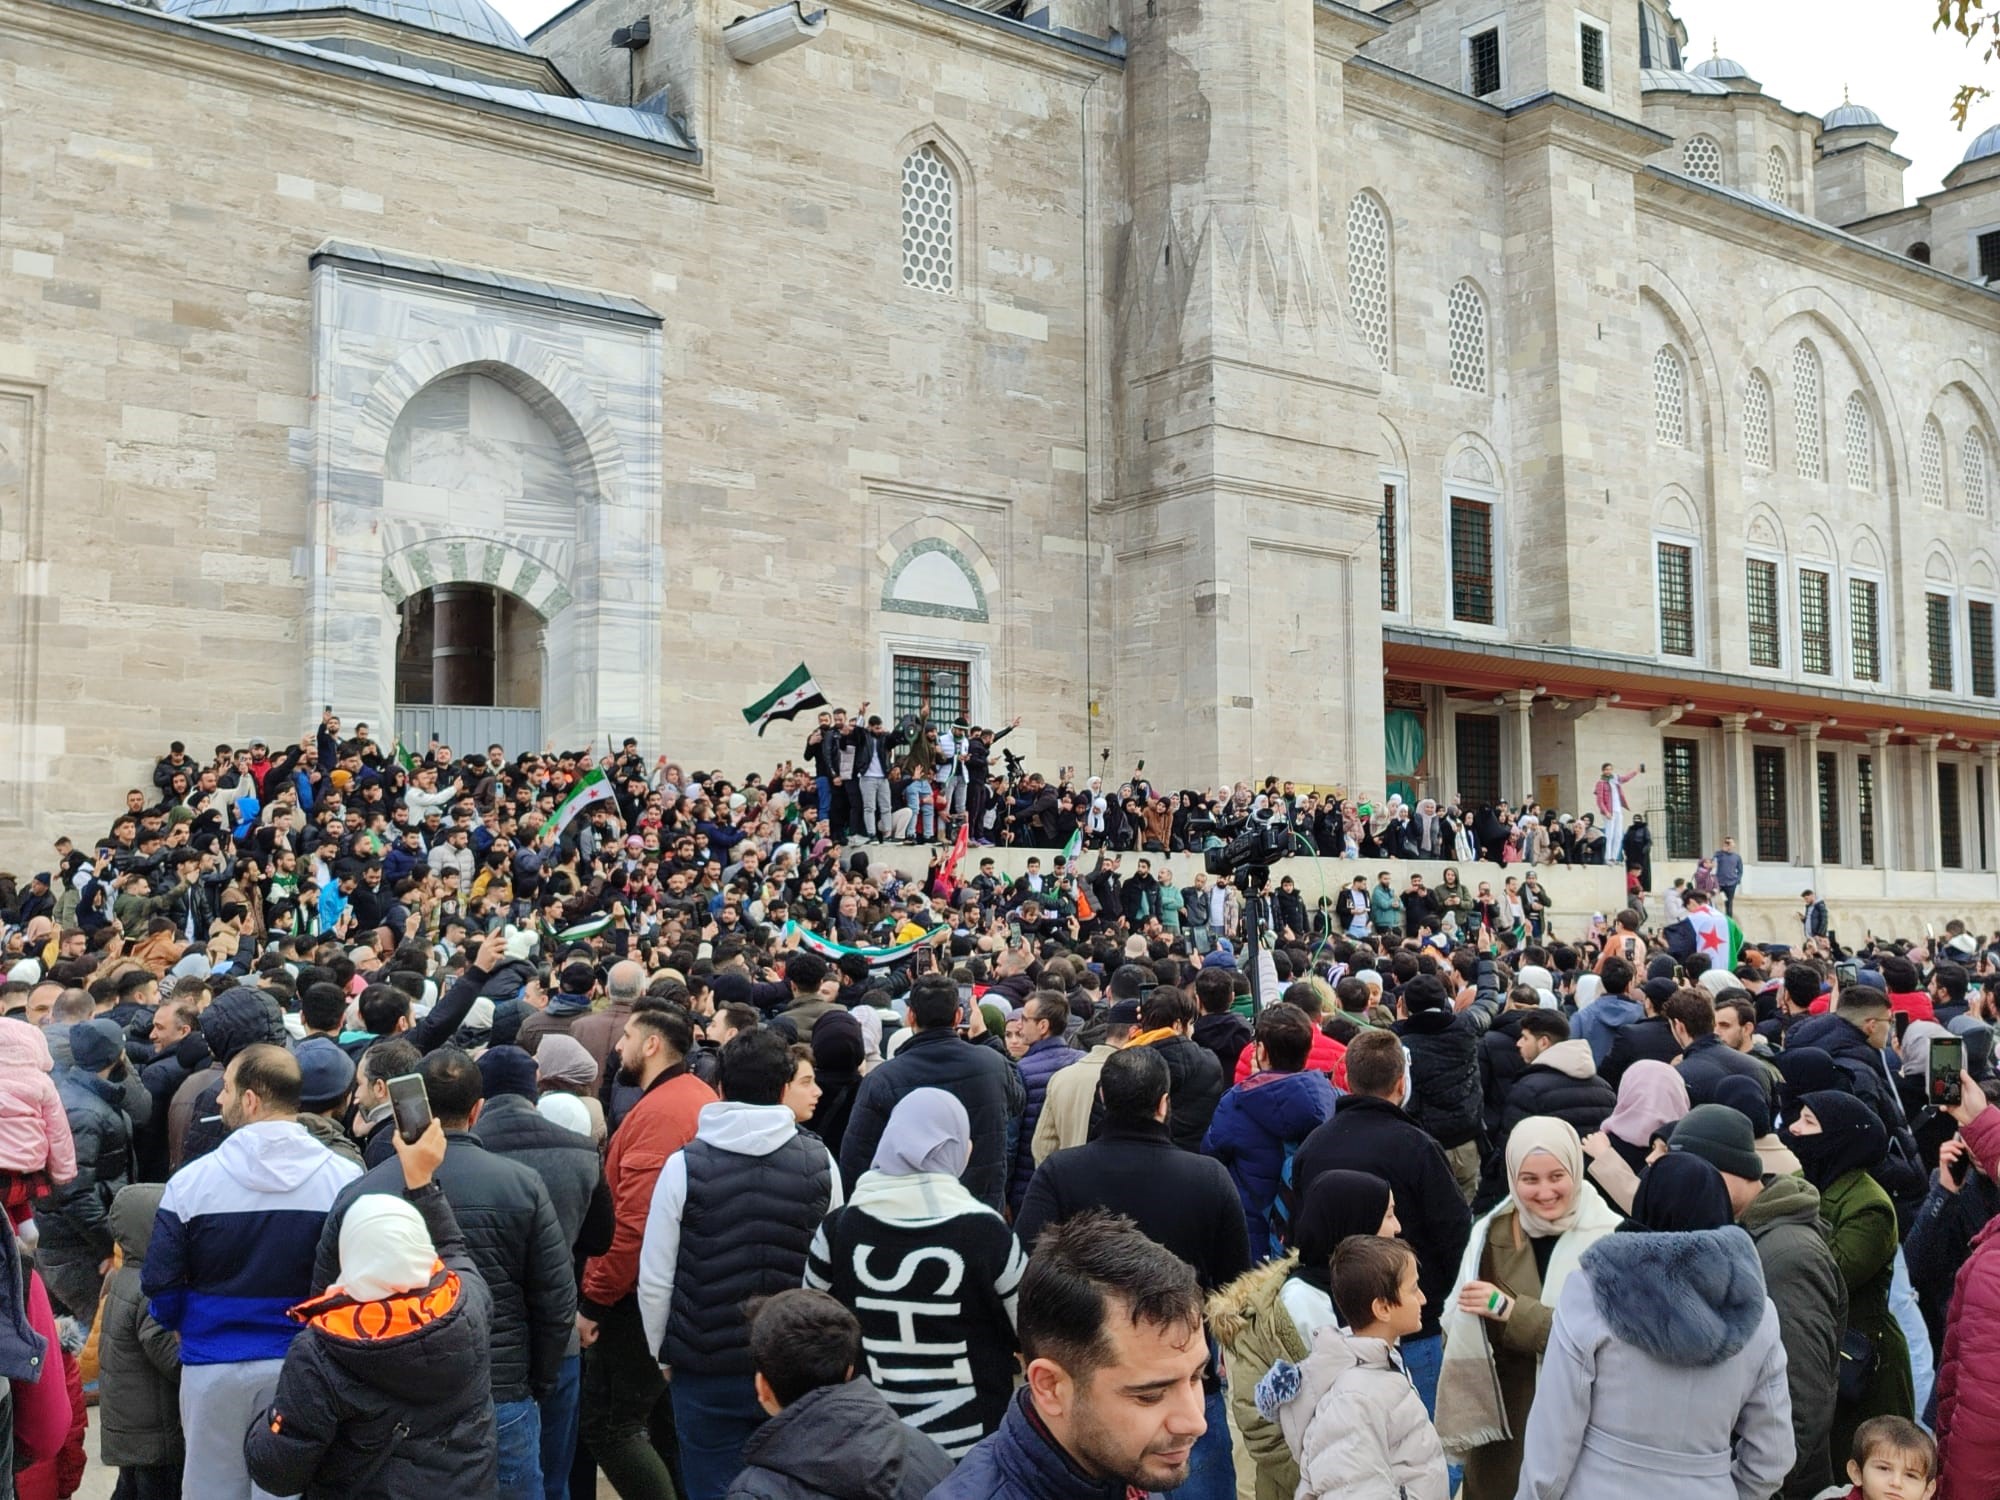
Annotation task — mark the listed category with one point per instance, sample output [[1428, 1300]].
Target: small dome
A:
[[1848, 115], [1987, 144], [473, 20], [1720, 67]]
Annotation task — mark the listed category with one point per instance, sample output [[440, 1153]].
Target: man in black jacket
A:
[[1705, 1061], [936, 1056], [1197, 1084], [74, 1221], [1219, 1029], [517, 1242], [1443, 1043], [1649, 1038], [1559, 1080], [1369, 1132], [1500, 1061]]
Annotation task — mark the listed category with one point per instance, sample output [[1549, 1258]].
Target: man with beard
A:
[[1114, 1354]]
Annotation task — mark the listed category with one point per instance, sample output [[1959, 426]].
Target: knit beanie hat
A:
[[1721, 1137]]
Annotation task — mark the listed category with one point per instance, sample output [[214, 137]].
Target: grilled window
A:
[[1807, 415], [1669, 398], [1815, 623], [946, 685], [1864, 629], [930, 221], [1701, 159], [1482, 64], [1979, 646], [1590, 54], [1385, 535], [1761, 611], [1472, 561], [1829, 808], [1767, 776], [1465, 315], [1681, 763], [1757, 421], [1368, 272], [1478, 737], [1937, 635], [1864, 805], [1989, 256], [1951, 839], [1676, 600]]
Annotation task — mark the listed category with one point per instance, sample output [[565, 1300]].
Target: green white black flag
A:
[[796, 692]]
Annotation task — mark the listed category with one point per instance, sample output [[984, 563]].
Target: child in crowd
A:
[[831, 1435], [36, 1150], [1893, 1459], [139, 1364], [1349, 1413]]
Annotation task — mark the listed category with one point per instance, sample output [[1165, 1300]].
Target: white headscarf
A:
[[384, 1248], [565, 1110]]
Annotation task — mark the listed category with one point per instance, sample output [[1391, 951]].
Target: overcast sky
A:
[[1803, 52]]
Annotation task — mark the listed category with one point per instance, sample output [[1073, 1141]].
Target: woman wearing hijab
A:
[[563, 1065], [385, 1391], [1651, 1100], [919, 1261], [1516, 1263], [1272, 1312], [837, 1053], [1837, 1139], [1671, 1318]]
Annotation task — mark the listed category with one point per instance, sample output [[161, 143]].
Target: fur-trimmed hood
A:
[[1249, 1297], [1692, 1300]]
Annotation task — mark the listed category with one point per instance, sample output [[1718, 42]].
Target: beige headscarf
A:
[[1551, 1137]]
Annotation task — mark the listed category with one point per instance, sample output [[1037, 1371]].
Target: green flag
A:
[[1075, 845], [796, 692], [592, 786], [404, 759]]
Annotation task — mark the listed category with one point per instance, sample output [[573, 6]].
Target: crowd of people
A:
[[487, 1125]]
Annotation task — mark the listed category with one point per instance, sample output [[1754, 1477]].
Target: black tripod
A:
[[1254, 879]]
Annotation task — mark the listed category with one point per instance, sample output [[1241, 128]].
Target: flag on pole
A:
[[796, 692], [950, 871], [1075, 845], [404, 759], [1716, 935], [592, 786], [878, 958]]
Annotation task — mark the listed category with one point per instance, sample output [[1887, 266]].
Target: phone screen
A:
[[1947, 1059], [1847, 973], [412, 1105]]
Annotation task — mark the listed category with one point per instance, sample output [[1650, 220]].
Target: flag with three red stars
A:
[[1717, 936]]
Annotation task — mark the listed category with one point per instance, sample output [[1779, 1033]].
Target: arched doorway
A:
[[469, 665]]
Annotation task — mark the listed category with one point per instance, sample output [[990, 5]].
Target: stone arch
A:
[[1764, 528], [1864, 550], [1395, 453], [1939, 566], [1675, 512], [965, 187], [1979, 573], [535, 573], [1816, 542], [1471, 458], [1822, 318], [1678, 311], [936, 568]]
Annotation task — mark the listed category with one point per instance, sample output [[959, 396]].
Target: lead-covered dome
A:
[[1985, 144], [471, 20], [1720, 68], [1846, 116]]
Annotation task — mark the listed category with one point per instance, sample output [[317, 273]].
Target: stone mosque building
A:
[[1449, 396]]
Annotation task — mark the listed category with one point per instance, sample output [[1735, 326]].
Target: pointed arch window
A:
[[1777, 176], [1930, 465], [930, 221], [1972, 473], [1806, 411], [1858, 438], [1467, 317], [1368, 273], [1757, 421], [1669, 397]]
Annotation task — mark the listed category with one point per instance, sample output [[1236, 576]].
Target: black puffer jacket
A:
[[239, 1018], [1445, 1096], [516, 1241], [78, 1212], [139, 1362], [981, 1079], [1500, 1064], [1562, 1084], [407, 1414], [840, 1442], [1195, 1086], [567, 1162]]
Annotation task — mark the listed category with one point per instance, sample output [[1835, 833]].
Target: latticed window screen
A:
[[1757, 421], [1478, 738], [1368, 272], [1467, 317], [946, 685], [1937, 637], [1676, 600], [1385, 534], [1930, 465], [1972, 472], [1472, 561], [1864, 805], [1482, 64], [1590, 51], [1680, 764], [1701, 158], [1806, 412], [1777, 176], [1951, 840], [930, 221], [1767, 784], [1828, 792], [1989, 256], [1669, 398], [1979, 646], [1859, 436], [1815, 622], [1761, 612], [1864, 629]]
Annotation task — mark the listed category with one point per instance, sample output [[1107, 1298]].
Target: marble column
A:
[[1519, 706], [1880, 757], [1807, 850], [1738, 811], [1924, 847], [1989, 784]]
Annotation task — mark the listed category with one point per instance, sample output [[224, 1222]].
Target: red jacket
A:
[[50, 1417], [1968, 1372], [660, 1124], [1327, 1056]]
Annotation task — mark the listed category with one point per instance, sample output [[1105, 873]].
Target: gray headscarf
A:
[[928, 1131], [563, 1059]]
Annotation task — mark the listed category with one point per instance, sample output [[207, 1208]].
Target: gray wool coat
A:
[[1664, 1376]]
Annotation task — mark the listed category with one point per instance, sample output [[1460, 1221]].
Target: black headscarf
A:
[[1851, 1138], [1337, 1204], [1679, 1194], [1805, 1070]]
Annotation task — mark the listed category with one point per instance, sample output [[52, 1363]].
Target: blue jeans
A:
[[518, 1426], [918, 795], [1212, 1467], [1424, 1359], [714, 1415], [559, 1423], [824, 785]]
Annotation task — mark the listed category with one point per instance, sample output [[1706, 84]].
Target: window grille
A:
[[1761, 611], [1757, 421], [1669, 398], [1829, 807], [1806, 412], [1930, 465], [1368, 272], [1777, 176], [1989, 256], [1860, 441], [1385, 535], [930, 222], [1681, 763], [1951, 842], [1676, 599], [1767, 776], [1864, 629], [1864, 805], [1467, 317], [1590, 51], [1972, 472], [1478, 737], [1472, 561], [1701, 159], [945, 684], [1937, 636], [1979, 646], [1815, 623], [1482, 64]]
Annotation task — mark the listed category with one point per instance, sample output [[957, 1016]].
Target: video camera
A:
[[1250, 842], [1016, 767]]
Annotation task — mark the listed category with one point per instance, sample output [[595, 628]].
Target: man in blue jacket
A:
[[1264, 1119]]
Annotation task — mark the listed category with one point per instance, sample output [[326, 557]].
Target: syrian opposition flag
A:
[[592, 786], [786, 699], [1075, 845], [1717, 936], [826, 948]]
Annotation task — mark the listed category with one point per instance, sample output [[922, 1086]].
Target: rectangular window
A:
[[1472, 561], [1658, 47], [1681, 764], [946, 685], [1815, 626], [1478, 738], [1937, 634], [1590, 55], [1951, 844], [1482, 64], [1385, 535], [1676, 600], [1989, 255], [1864, 629], [1864, 805], [1761, 611], [1979, 646], [1829, 808], [1767, 777]]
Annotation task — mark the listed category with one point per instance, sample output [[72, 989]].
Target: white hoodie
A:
[[746, 1129]]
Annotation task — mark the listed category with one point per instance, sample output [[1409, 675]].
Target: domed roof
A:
[[1986, 144], [472, 20], [1846, 115], [1720, 67]]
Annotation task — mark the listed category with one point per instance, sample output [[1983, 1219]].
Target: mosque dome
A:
[[1720, 68], [470, 20], [1846, 116], [1986, 144]]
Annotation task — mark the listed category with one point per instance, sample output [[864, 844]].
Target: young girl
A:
[[36, 1151]]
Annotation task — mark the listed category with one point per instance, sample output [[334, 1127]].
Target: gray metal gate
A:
[[468, 729]]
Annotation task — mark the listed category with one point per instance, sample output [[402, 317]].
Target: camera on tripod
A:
[[1016, 767], [1249, 843]]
